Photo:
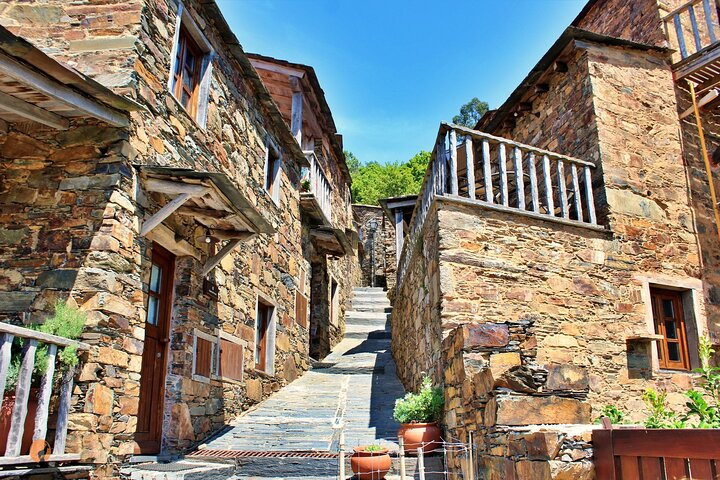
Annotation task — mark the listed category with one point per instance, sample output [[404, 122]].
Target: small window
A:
[[231, 363], [204, 353], [186, 77], [272, 173], [191, 67], [263, 331], [669, 318], [301, 309]]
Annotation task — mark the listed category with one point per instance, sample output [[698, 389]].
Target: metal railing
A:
[[506, 175], [694, 26], [31, 340], [319, 185]]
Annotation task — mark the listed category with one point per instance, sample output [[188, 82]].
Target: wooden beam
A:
[[65, 398], [43, 407], [231, 235], [26, 459], [5, 359], [213, 261], [32, 112], [169, 187], [41, 337], [163, 235], [164, 213], [60, 92], [709, 97], [203, 212], [22, 395]]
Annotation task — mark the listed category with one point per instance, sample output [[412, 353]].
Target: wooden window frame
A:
[[213, 339], [272, 173], [187, 33], [266, 349], [222, 335], [187, 47], [657, 294]]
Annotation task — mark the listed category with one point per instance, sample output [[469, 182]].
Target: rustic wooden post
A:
[[22, 394], [65, 397], [548, 186], [453, 164], [41, 416], [562, 188], [470, 162], [503, 174], [421, 463], [694, 26], [589, 196], [402, 458], [5, 357], [709, 20], [533, 183], [342, 454], [519, 180], [487, 171], [471, 456], [576, 192], [603, 456], [680, 37]]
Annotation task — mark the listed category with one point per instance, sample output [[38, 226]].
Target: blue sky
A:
[[392, 70]]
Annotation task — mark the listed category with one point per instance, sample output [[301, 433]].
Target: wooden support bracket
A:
[[229, 247], [185, 192]]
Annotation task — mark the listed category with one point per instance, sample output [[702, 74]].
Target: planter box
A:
[[629, 453]]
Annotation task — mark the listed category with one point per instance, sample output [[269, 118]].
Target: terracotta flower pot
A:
[[370, 465], [415, 435], [8, 404]]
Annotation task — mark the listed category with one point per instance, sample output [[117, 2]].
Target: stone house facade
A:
[[328, 236], [562, 255], [179, 228]]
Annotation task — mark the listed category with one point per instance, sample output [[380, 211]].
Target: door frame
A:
[[150, 442]]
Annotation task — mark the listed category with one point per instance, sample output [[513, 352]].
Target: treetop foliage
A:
[[374, 181], [471, 113]]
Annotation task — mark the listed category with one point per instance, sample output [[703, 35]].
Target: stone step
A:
[[371, 308], [369, 289], [354, 314]]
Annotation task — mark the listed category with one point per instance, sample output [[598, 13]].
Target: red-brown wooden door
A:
[[154, 361]]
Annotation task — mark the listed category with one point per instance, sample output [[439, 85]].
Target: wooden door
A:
[[154, 360]]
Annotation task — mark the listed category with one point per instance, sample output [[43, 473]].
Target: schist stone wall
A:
[[382, 242], [71, 216], [529, 322]]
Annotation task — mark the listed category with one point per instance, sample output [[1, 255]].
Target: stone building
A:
[[164, 196], [329, 237], [563, 254], [377, 240]]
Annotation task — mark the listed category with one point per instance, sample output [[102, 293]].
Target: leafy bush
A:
[[703, 406], [612, 412], [373, 448], [67, 322], [422, 407]]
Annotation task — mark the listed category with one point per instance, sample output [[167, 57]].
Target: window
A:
[[218, 356], [669, 318], [231, 364], [272, 173], [204, 353], [264, 343], [186, 77], [191, 67], [301, 309]]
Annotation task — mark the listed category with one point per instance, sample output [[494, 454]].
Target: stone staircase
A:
[[305, 416]]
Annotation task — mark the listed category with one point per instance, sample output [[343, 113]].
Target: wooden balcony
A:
[[13, 454], [693, 30], [316, 191], [506, 176]]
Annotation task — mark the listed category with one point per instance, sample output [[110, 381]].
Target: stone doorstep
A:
[[181, 470], [368, 315]]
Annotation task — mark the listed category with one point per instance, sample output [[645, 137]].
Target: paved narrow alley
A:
[[352, 390]]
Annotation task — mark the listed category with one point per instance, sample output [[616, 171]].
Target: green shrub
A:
[[422, 407], [67, 322], [612, 412], [373, 448]]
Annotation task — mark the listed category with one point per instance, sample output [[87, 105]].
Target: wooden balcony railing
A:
[[319, 185], [693, 27], [13, 454], [503, 175]]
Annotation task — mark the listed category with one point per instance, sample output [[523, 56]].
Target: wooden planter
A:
[[628, 453]]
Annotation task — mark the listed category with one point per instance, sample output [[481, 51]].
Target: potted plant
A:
[[67, 322], [418, 414], [370, 462]]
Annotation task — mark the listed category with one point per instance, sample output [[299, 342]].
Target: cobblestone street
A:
[[352, 390]]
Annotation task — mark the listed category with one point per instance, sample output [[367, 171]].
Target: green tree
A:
[[352, 161], [470, 113], [374, 181]]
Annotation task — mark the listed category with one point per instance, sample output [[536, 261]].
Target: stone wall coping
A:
[[447, 198]]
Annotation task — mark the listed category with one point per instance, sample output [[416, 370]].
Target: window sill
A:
[[263, 373], [184, 110]]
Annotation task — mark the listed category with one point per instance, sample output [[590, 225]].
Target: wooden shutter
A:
[[231, 360], [203, 357], [301, 309]]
